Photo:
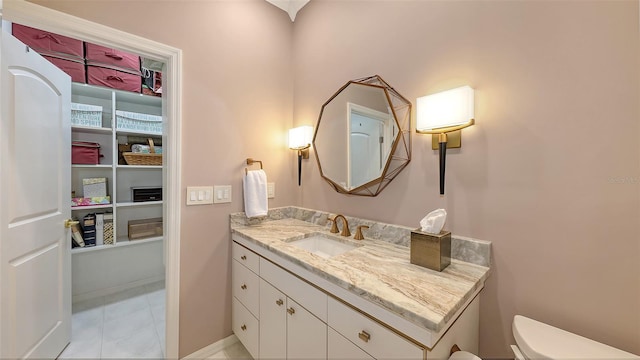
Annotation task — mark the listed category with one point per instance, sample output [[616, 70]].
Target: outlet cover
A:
[[271, 190]]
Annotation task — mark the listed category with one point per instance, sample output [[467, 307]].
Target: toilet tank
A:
[[536, 340]]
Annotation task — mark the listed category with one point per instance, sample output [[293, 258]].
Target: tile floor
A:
[[126, 325], [232, 352]]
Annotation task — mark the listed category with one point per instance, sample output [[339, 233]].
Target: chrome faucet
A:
[[345, 225]]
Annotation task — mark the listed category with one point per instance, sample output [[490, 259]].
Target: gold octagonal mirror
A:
[[363, 138]]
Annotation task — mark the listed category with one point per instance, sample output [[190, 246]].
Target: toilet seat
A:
[[537, 340]]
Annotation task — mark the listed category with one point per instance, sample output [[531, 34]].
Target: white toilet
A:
[[536, 340]]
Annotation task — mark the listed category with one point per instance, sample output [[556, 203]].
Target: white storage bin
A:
[[86, 115], [131, 121]]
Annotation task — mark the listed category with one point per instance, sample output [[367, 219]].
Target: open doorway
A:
[[46, 19]]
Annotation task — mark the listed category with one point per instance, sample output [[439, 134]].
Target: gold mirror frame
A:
[[400, 154]]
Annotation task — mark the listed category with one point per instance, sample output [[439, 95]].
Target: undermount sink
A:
[[323, 246]]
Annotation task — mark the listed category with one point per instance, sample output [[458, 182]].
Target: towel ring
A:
[[251, 161]]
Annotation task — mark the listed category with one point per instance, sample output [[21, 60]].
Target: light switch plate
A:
[[199, 195], [221, 194], [271, 190]]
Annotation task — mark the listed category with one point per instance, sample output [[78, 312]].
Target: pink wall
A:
[[237, 103], [534, 175]]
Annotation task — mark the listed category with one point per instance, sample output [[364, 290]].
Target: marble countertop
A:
[[378, 271]]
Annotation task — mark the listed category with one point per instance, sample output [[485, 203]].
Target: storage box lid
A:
[[91, 181]]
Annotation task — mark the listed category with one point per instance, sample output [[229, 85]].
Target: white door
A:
[[273, 322], [364, 149], [306, 334], [35, 188]]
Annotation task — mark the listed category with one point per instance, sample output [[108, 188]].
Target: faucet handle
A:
[[359, 235], [334, 225]]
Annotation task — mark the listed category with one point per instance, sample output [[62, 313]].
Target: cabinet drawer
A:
[[303, 293], [340, 348], [246, 257], [246, 287], [377, 340], [245, 326]]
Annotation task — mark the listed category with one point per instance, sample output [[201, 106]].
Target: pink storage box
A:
[[85, 152], [112, 78], [74, 68], [47, 42], [100, 55]]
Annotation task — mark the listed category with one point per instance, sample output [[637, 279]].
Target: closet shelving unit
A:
[[120, 178]]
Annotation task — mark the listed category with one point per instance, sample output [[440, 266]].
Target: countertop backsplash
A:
[[462, 248]]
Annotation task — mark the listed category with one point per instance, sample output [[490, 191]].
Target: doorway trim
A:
[[47, 19]]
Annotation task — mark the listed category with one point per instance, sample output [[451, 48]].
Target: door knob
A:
[[279, 302], [291, 311], [69, 223]]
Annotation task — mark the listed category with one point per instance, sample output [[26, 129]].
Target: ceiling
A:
[[291, 7]]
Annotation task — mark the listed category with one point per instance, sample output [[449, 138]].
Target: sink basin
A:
[[323, 246]]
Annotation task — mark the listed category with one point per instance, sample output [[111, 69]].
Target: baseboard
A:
[[209, 350], [115, 289]]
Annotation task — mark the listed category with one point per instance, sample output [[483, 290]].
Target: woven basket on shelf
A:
[[142, 158]]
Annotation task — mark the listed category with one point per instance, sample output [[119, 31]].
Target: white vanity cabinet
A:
[[278, 315], [288, 330], [275, 314], [292, 321], [246, 295]]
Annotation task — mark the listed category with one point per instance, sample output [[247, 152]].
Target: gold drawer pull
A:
[[291, 311], [243, 327], [279, 302], [243, 257], [243, 287], [364, 336]]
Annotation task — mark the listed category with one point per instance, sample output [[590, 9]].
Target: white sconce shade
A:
[[300, 137], [445, 109]]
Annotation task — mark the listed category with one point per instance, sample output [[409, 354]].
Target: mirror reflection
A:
[[362, 138]]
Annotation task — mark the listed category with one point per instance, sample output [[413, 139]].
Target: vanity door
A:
[[273, 322], [306, 334]]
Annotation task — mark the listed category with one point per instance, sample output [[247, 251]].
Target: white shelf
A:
[[120, 242], [138, 133], [91, 130], [91, 207], [90, 90], [140, 167], [138, 204], [137, 98], [86, 166], [120, 177], [121, 95]]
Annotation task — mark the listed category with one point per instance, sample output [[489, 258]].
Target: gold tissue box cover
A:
[[430, 250]]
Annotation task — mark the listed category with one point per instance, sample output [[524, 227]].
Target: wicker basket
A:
[[142, 158]]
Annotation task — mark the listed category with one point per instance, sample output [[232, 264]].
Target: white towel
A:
[[255, 193]]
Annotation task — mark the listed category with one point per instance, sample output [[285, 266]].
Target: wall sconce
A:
[[300, 139], [445, 113]]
